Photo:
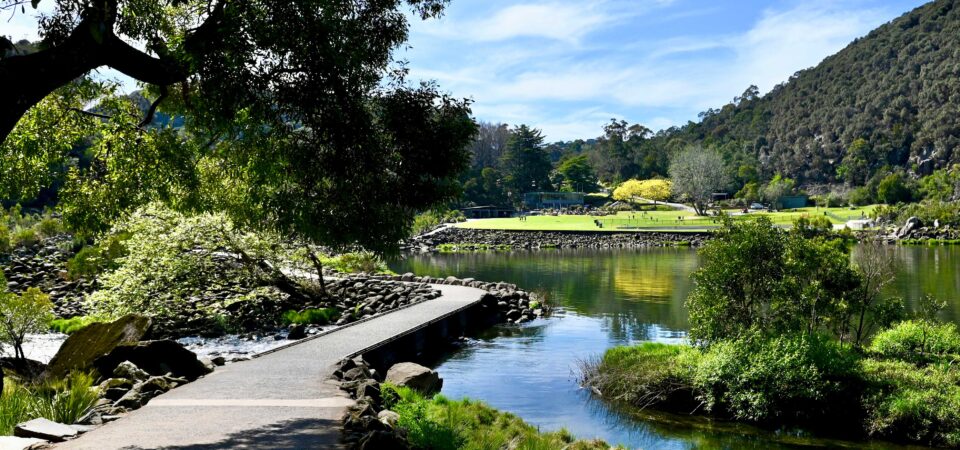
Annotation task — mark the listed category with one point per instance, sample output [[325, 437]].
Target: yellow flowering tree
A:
[[656, 190]]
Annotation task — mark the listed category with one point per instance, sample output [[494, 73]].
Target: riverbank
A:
[[468, 239]]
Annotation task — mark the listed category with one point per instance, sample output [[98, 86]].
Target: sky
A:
[[568, 66]]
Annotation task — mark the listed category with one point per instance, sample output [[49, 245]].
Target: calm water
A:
[[610, 298]]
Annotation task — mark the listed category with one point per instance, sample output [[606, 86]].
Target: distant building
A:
[[487, 212], [552, 200], [794, 201]]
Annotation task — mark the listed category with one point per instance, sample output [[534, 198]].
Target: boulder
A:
[[19, 443], [82, 348], [157, 358], [415, 377], [128, 370], [912, 224], [389, 418], [297, 332], [44, 429]]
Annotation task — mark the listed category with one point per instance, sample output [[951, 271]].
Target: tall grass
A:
[[64, 401]]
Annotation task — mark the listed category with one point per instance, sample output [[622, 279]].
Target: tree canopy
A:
[[296, 117]]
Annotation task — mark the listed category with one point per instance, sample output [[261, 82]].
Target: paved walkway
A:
[[281, 400]]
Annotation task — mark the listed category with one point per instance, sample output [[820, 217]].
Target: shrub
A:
[[29, 312], [25, 238], [311, 316], [861, 197], [803, 377], [49, 227], [917, 403], [366, 262], [642, 375], [918, 341], [4, 238]]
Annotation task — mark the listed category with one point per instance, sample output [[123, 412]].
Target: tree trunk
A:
[[318, 266]]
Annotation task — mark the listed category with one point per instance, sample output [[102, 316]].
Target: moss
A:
[[311, 316], [73, 324]]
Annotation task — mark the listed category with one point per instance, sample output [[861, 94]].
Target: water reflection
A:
[[609, 298]]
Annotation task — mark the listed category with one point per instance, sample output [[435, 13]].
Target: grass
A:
[[683, 221], [73, 324], [440, 423], [64, 401], [311, 316]]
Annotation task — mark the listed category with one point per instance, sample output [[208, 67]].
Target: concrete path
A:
[[280, 400]]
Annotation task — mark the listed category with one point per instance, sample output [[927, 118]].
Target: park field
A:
[[659, 220]]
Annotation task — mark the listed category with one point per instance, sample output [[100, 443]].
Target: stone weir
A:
[[466, 239]]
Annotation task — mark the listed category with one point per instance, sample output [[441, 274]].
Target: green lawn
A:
[[655, 220]]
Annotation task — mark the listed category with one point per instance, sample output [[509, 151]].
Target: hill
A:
[[891, 98]]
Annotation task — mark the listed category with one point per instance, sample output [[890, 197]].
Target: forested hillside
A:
[[891, 98]]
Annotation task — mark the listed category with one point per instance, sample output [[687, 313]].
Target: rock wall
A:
[[464, 238]]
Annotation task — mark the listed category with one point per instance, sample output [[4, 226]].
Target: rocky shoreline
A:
[[468, 239]]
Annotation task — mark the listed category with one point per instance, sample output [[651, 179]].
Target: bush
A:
[[93, 260], [439, 423], [798, 377], [311, 316], [918, 341], [921, 404], [365, 262], [642, 375], [25, 238], [4, 238], [49, 227], [861, 196]]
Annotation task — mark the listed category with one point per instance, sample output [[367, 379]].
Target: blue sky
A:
[[568, 66]]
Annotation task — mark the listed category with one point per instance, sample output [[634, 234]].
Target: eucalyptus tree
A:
[[696, 173]]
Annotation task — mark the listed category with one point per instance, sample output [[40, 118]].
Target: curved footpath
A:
[[280, 400]]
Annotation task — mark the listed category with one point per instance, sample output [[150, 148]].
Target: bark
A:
[[318, 266]]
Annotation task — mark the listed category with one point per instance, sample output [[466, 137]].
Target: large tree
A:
[[525, 162], [696, 174], [296, 117]]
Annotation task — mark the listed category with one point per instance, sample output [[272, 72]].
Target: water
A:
[[609, 298]]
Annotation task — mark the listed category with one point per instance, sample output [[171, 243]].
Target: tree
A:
[[225, 51], [894, 189], [576, 175], [294, 119], [755, 277], [696, 173], [876, 267], [776, 189], [29, 312], [488, 147], [526, 164], [631, 190]]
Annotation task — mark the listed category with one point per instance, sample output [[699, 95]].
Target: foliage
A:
[[918, 341], [429, 220], [63, 401], [777, 188], [5, 244], [172, 257], [696, 173], [366, 262], [29, 312], [526, 166], [575, 174], [311, 316], [754, 276], [910, 402], [642, 375], [439, 423], [928, 211], [656, 190], [73, 324], [94, 260], [810, 227], [895, 188], [942, 185]]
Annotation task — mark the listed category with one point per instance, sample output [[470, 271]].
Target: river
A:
[[615, 297]]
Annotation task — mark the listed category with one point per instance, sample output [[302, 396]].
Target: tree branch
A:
[[153, 107]]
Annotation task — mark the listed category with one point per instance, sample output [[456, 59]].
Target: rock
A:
[[44, 429], [415, 377], [80, 350], [908, 227], [133, 399], [388, 418], [297, 332], [156, 358], [130, 371], [369, 389], [20, 443], [356, 373], [218, 360]]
